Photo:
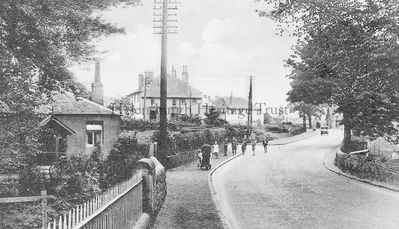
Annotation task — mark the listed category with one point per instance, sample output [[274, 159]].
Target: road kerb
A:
[[329, 164], [225, 221]]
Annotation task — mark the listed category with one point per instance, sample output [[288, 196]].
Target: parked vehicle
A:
[[323, 130]]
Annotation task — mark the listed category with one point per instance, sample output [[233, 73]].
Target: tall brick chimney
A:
[[149, 75], [141, 81], [185, 74], [97, 91]]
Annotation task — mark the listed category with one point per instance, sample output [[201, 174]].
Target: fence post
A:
[[43, 194]]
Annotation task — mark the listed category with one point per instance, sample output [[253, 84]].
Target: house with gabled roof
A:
[[182, 97], [235, 110], [80, 124]]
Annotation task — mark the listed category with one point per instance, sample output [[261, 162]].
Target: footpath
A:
[[189, 202]]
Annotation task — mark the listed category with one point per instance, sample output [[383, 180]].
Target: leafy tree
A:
[[213, 118], [307, 110], [347, 56], [122, 106], [39, 40]]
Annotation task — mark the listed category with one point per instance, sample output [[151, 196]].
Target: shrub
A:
[[9, 186], [183, 147], [276, 128], [296, 129], [372, 167], [123, 158]]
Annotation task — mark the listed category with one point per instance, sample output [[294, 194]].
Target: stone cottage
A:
[[81, 124]]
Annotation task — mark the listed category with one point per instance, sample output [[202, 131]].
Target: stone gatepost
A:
[[147, 168]]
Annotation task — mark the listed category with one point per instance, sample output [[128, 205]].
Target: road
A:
[[289, 187]]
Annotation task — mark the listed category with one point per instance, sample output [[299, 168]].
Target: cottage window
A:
[[174, 102], [94, 134], [152, 101], [183, 101]]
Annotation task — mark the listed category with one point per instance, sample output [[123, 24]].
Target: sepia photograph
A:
[[199, 114]]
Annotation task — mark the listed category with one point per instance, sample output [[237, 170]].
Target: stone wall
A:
[[154, 189]]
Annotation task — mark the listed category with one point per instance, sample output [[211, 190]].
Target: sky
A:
[[223, 43]]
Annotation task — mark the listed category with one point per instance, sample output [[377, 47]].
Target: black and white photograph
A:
[[199, 114]]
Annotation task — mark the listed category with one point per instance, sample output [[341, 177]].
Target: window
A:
[[183, 101], [193, 101], [94, 134], [174, 102], [152, 101]]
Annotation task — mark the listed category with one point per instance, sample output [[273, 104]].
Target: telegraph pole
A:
[[249, 124], [161, 16]]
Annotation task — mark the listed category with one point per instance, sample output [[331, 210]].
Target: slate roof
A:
[[67, 103], [236, 102], [177, 88]]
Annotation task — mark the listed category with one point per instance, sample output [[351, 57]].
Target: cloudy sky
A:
[[222, 42]]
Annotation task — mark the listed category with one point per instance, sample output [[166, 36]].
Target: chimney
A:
[[149, 75], [185, 74], [231, 98], [141, 81], [97, 94], [173, 71]]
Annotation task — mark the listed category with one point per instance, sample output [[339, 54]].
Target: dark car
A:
[[323, 130]]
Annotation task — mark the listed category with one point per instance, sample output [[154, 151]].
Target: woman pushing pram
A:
[[204, 157]]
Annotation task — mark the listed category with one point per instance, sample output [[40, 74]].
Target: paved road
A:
[[290, 188]]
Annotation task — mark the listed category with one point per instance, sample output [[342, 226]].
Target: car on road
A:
[[323, 130]]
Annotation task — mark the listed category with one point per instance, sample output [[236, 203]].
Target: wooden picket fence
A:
[[117, 208]]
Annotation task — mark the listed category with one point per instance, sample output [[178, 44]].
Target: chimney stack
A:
[[185, 74], [141, 81], [173, 71], [97, 93], [149, 75]]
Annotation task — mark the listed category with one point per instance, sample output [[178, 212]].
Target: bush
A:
[[276, 128], [183, 147], [296, 129], [372, 167], [121, 162], [9, 187]]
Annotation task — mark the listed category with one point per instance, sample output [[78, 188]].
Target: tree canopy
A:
[[39, 40], [347, 55]]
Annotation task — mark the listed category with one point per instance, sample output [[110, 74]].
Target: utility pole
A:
[[161, 16], [249, 124]]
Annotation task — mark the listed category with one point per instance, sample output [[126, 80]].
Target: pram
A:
[[204, 157]]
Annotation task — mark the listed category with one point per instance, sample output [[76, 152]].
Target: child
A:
[[215, 150]]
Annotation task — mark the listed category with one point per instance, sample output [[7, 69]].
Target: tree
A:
[[213, 118], [39, 40], [307, 111], [347, 56], [122, 106]]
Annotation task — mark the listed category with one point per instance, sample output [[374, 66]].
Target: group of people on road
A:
[[234, 145]]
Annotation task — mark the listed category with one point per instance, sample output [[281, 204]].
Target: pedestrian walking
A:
[[225, 144], [244, 147], [215, 151], [253, 143], [234, 145], [265, 142]]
